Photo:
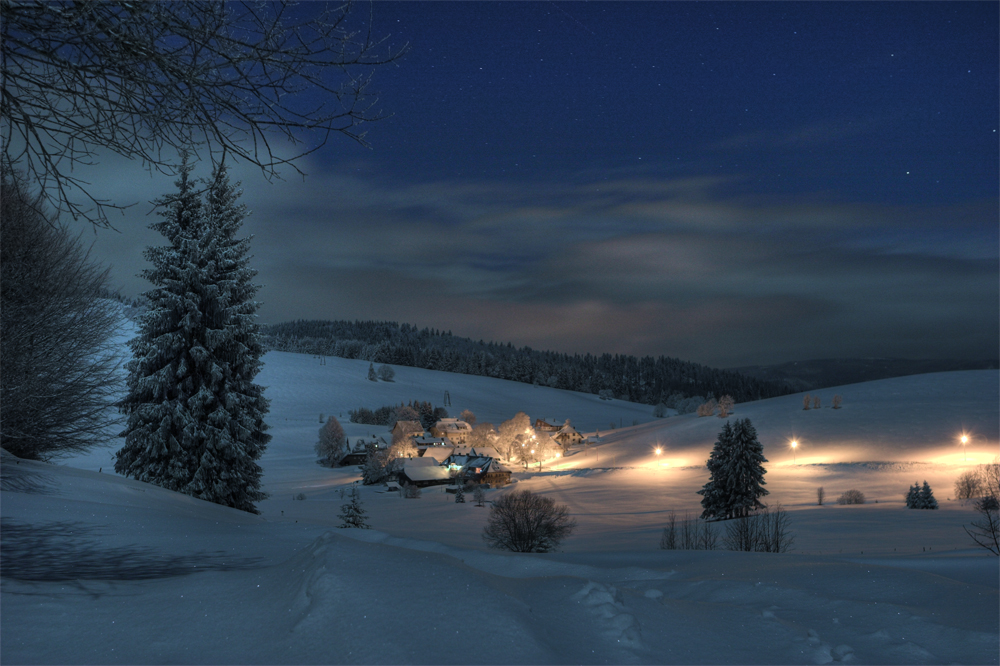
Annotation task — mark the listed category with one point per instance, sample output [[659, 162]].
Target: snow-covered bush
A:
[[851, 497], [523, 522], [606, 394], [411, 491], [386, 373], [660, 410]]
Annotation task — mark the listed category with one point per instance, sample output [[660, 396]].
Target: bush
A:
[[694, 534], [410, 491], [386, 373], [606, 394], [852, 497], [523, 522], [660, 410], [763, 531], [59, 370]]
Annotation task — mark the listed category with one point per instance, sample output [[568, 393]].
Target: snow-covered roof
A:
[[485, 451], [411, 463], [432, 473], [425, 440], [437, 453], [453, 425]]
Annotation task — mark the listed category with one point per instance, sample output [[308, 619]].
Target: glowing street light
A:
[[965, 440], [795, 444]]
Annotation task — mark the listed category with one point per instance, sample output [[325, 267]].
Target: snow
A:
[[137, 574]]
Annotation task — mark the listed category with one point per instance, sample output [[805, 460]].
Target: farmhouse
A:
[[568, 436], [411, 428], [436, 453], [428, 475], [485, 470], [456, 430], [545, 426], [357, 455]]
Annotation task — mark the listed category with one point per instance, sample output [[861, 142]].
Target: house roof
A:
[[454, 425], [410, 463], [432, 473], [487, 451], [438, 453]]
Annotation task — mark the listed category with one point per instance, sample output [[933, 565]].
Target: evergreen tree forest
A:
[[645, 380]]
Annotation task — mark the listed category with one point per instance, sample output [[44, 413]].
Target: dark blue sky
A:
[[730, 183]]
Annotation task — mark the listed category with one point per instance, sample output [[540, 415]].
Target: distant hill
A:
[[823, 373], [675, 383]]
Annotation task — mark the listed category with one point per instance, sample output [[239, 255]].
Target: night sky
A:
[[728, 183]]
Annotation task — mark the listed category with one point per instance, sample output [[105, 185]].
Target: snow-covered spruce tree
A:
[[927, 499], [372, 377], [195, 419], [460, 494], [913, 497], [352, 514], [736, 473]]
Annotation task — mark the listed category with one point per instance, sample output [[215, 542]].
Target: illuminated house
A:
[[456, 430]]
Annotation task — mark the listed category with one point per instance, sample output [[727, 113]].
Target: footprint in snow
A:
[[605, 602]]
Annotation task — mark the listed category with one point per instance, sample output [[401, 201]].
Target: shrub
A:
[[763, 531], [726, 404], [410, 491], [385, 372], [660, 410], [852, 497], [523, 522]]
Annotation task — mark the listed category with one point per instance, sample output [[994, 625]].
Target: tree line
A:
[[645, 380]]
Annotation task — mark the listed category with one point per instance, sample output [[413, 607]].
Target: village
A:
[[444, 456]]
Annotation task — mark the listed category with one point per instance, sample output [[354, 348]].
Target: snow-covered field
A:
[[136, 574]]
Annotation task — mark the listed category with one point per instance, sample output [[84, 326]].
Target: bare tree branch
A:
[[145, 79]]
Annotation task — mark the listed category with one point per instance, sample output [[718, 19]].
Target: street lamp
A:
[[965, 440], [795, 444]]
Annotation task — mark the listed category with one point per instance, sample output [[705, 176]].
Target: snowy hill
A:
[[137, 574]]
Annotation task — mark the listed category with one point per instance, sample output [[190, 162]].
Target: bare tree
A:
[[764, 531], [59, 369], [837, 401], [820, 494], [851, 497], [468, 416], [332, 444], [986, 530], [143, 79], [523, 522], [968, 485], [816, 402], [806, 401]]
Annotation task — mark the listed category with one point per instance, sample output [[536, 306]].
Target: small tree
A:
[[708, 408], [806, 401], [523, 522], [352, 514], [660, 410], [763, 531], [851, 497], [837, 401], [816, 402], [479, 495], [927, 500], [460, 494], [411, 491], [468, 417], [726, 404], [668, 540], [407, 413], [332, 444], [820, 494], [372, 377], [913, 497], [482, 435], [386, 373], [736, 471]]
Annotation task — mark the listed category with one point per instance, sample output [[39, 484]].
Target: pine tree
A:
[[913, 497], [371, 373], [195, 419], [460, 495], [927, 497], [736, 473], [352, 514]]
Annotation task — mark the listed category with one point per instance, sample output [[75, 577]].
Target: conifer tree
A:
[[195, 419], [736, 473], [927, 497], [352, 514], [372, 377], [460, 494], [913, 497]]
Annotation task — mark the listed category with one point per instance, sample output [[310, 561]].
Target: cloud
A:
[[684, 267]]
